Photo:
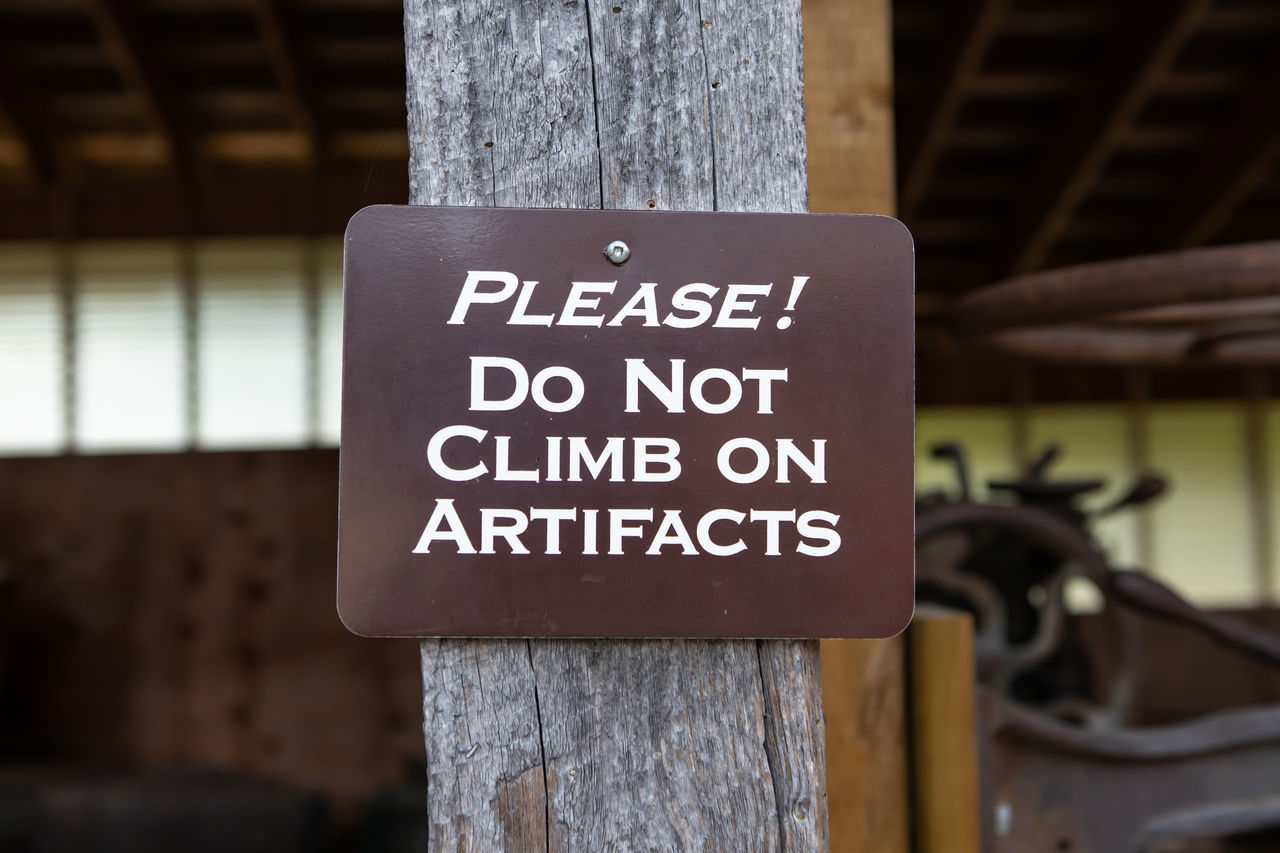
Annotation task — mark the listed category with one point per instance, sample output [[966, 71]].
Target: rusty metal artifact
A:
[[1218, 305], [1053, 786], [1009, 565]]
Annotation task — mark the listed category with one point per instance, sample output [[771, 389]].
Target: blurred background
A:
[[175, 176]]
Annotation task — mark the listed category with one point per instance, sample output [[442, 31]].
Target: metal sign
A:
[[568, 423]]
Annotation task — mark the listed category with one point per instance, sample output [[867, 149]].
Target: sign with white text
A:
[[569, 423]]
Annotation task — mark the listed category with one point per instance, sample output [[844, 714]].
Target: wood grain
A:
[[849, 116], [637, 745], [868, 768], [848, 92], [944, 712]]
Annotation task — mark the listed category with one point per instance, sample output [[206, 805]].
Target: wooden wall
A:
[[179, 609]]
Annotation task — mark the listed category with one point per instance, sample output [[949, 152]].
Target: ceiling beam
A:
[[1218, 176], [117, 25], [1141, 47], [20, 104], [146, 150], [966, 33], [282, 51], [278, 205]]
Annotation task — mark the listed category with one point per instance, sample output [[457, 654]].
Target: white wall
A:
[[1201, 533], [246, 352]]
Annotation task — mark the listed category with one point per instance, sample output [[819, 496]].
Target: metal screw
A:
[[617, 251]]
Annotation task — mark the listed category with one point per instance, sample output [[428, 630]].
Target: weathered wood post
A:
[[596, 745]]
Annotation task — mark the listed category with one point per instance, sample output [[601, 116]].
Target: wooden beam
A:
[[282, 51], [117, 24], [945, 732], [868, 770], [1258, 475], [20, 104], [1142, 45], [848, 77], [134, 150], [1232, 162], [848, 93], [964, 38], [155, 209], [599, 744]]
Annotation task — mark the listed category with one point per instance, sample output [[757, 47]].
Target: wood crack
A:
[[595, 99], [772, 760], [542, 747], [711, 108]]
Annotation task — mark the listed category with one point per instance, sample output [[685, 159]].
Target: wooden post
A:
[[947, 815], [596, 745], [849, 94]]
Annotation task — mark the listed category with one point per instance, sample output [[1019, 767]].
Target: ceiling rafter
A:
[[965, 37], [117, 25], [1140, 49], [1223, 171], [284, 55], [21, 106]]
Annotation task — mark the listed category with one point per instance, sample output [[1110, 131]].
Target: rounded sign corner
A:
[[356, 624], [367, 216]]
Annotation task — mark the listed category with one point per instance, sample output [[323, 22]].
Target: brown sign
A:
[[567, 423]]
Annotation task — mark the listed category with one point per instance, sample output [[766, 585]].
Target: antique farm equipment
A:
[[1009, 565], [1062, 767]]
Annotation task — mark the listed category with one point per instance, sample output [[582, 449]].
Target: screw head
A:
[[617, 252]]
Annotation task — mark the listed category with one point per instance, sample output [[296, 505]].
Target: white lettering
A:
[[732, 305], [646, 452], [642, 304], [491, 530], [681, 302], [619, 528], [807, 527], [704, 532], [444, 513], [671, 531], [575, 302], [553, 517], [772, 519], [479, 365], [518, 315], [724, 460], [435, 453], [671, 396], [472, 295]]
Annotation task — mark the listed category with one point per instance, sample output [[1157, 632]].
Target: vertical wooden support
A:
[[849, 119], [63, 202], [867, 765], [945, 733], [311, 305], [1138, 431], [1258, 474], [848, 71], [189, 290], [1020, 411], [599, 745]]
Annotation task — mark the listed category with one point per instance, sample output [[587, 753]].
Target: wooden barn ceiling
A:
[[1030, 133], [1044, 133], [255, 108]]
